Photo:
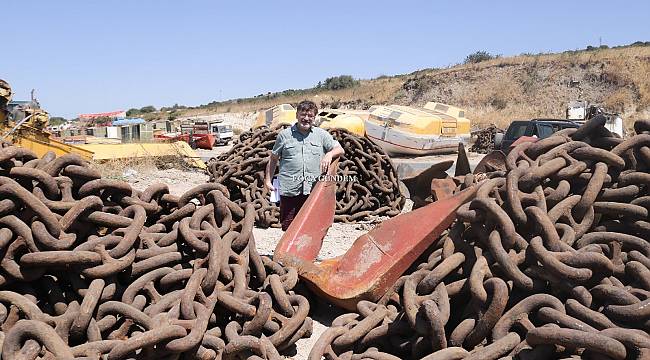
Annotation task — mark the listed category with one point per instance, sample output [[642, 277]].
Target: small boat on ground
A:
[[405, 130]]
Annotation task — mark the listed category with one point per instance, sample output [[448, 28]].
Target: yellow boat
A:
[[415, 131], [463, 124], [277, 115], [351, 120]]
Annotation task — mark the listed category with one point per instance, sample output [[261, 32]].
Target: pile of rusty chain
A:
[[91, 268], [372, 188], [484, 139], [550, 260]]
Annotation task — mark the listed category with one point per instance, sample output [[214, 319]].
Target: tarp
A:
[[128, 121]]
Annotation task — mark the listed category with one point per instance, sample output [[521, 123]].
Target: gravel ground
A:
[[178, 181]]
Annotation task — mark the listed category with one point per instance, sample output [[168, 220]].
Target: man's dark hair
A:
[[307, 105]]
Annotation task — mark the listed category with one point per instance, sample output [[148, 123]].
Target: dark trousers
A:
[[289, 207]]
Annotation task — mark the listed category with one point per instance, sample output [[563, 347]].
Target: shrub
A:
[[619, 100], [479, 56], [57, 120], [339, 82]]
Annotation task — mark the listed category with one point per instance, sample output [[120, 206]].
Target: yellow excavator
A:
[[24, 123]]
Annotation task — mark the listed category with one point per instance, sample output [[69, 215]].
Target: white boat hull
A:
[[398, 142]]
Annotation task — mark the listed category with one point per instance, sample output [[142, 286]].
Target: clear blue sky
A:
[[99, 56]]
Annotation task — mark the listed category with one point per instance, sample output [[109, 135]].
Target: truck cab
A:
[[223, 133]]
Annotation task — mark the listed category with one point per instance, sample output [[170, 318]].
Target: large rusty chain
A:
[[91, 268], [550, 260], [368, 184]]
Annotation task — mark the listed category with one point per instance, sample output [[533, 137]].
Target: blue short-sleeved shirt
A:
[[300, 157]]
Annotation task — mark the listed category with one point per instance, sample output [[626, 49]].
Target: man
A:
[[304, 152]]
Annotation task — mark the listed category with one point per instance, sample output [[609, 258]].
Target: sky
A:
[[99, 56]]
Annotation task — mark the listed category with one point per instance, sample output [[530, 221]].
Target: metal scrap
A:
[[484, 139]]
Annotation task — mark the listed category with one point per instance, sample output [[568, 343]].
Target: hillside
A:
[[492, 91]]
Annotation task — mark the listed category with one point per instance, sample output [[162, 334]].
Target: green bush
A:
[[479, 56], [338, 82], [57, 120]]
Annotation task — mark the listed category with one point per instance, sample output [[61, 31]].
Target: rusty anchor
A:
[[375, 260]]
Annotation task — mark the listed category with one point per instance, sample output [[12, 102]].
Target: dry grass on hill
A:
[[498, 90]]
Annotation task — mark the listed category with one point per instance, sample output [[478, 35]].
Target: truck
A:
[[223, 133], [580, 111]]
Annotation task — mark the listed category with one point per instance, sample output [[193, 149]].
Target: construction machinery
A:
[[24, 123]]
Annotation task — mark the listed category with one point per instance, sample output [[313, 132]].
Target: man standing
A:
[[304, 152]]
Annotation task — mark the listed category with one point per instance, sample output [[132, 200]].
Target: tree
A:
[[147, 109], [479, 56], [339, 82], [56, 120]]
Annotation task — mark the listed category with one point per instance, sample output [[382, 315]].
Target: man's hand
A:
[[325, 163], [269, 171], [268, 184]]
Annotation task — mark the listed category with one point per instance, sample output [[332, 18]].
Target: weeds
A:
[[120, 168]]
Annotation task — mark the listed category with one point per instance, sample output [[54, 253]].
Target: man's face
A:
[[305, 119]]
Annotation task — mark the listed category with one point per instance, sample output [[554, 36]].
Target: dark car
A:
[[541, 128]]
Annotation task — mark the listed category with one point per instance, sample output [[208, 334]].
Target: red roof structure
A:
[[112, 114]]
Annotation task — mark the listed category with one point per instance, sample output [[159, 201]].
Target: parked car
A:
[[540, 128]]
